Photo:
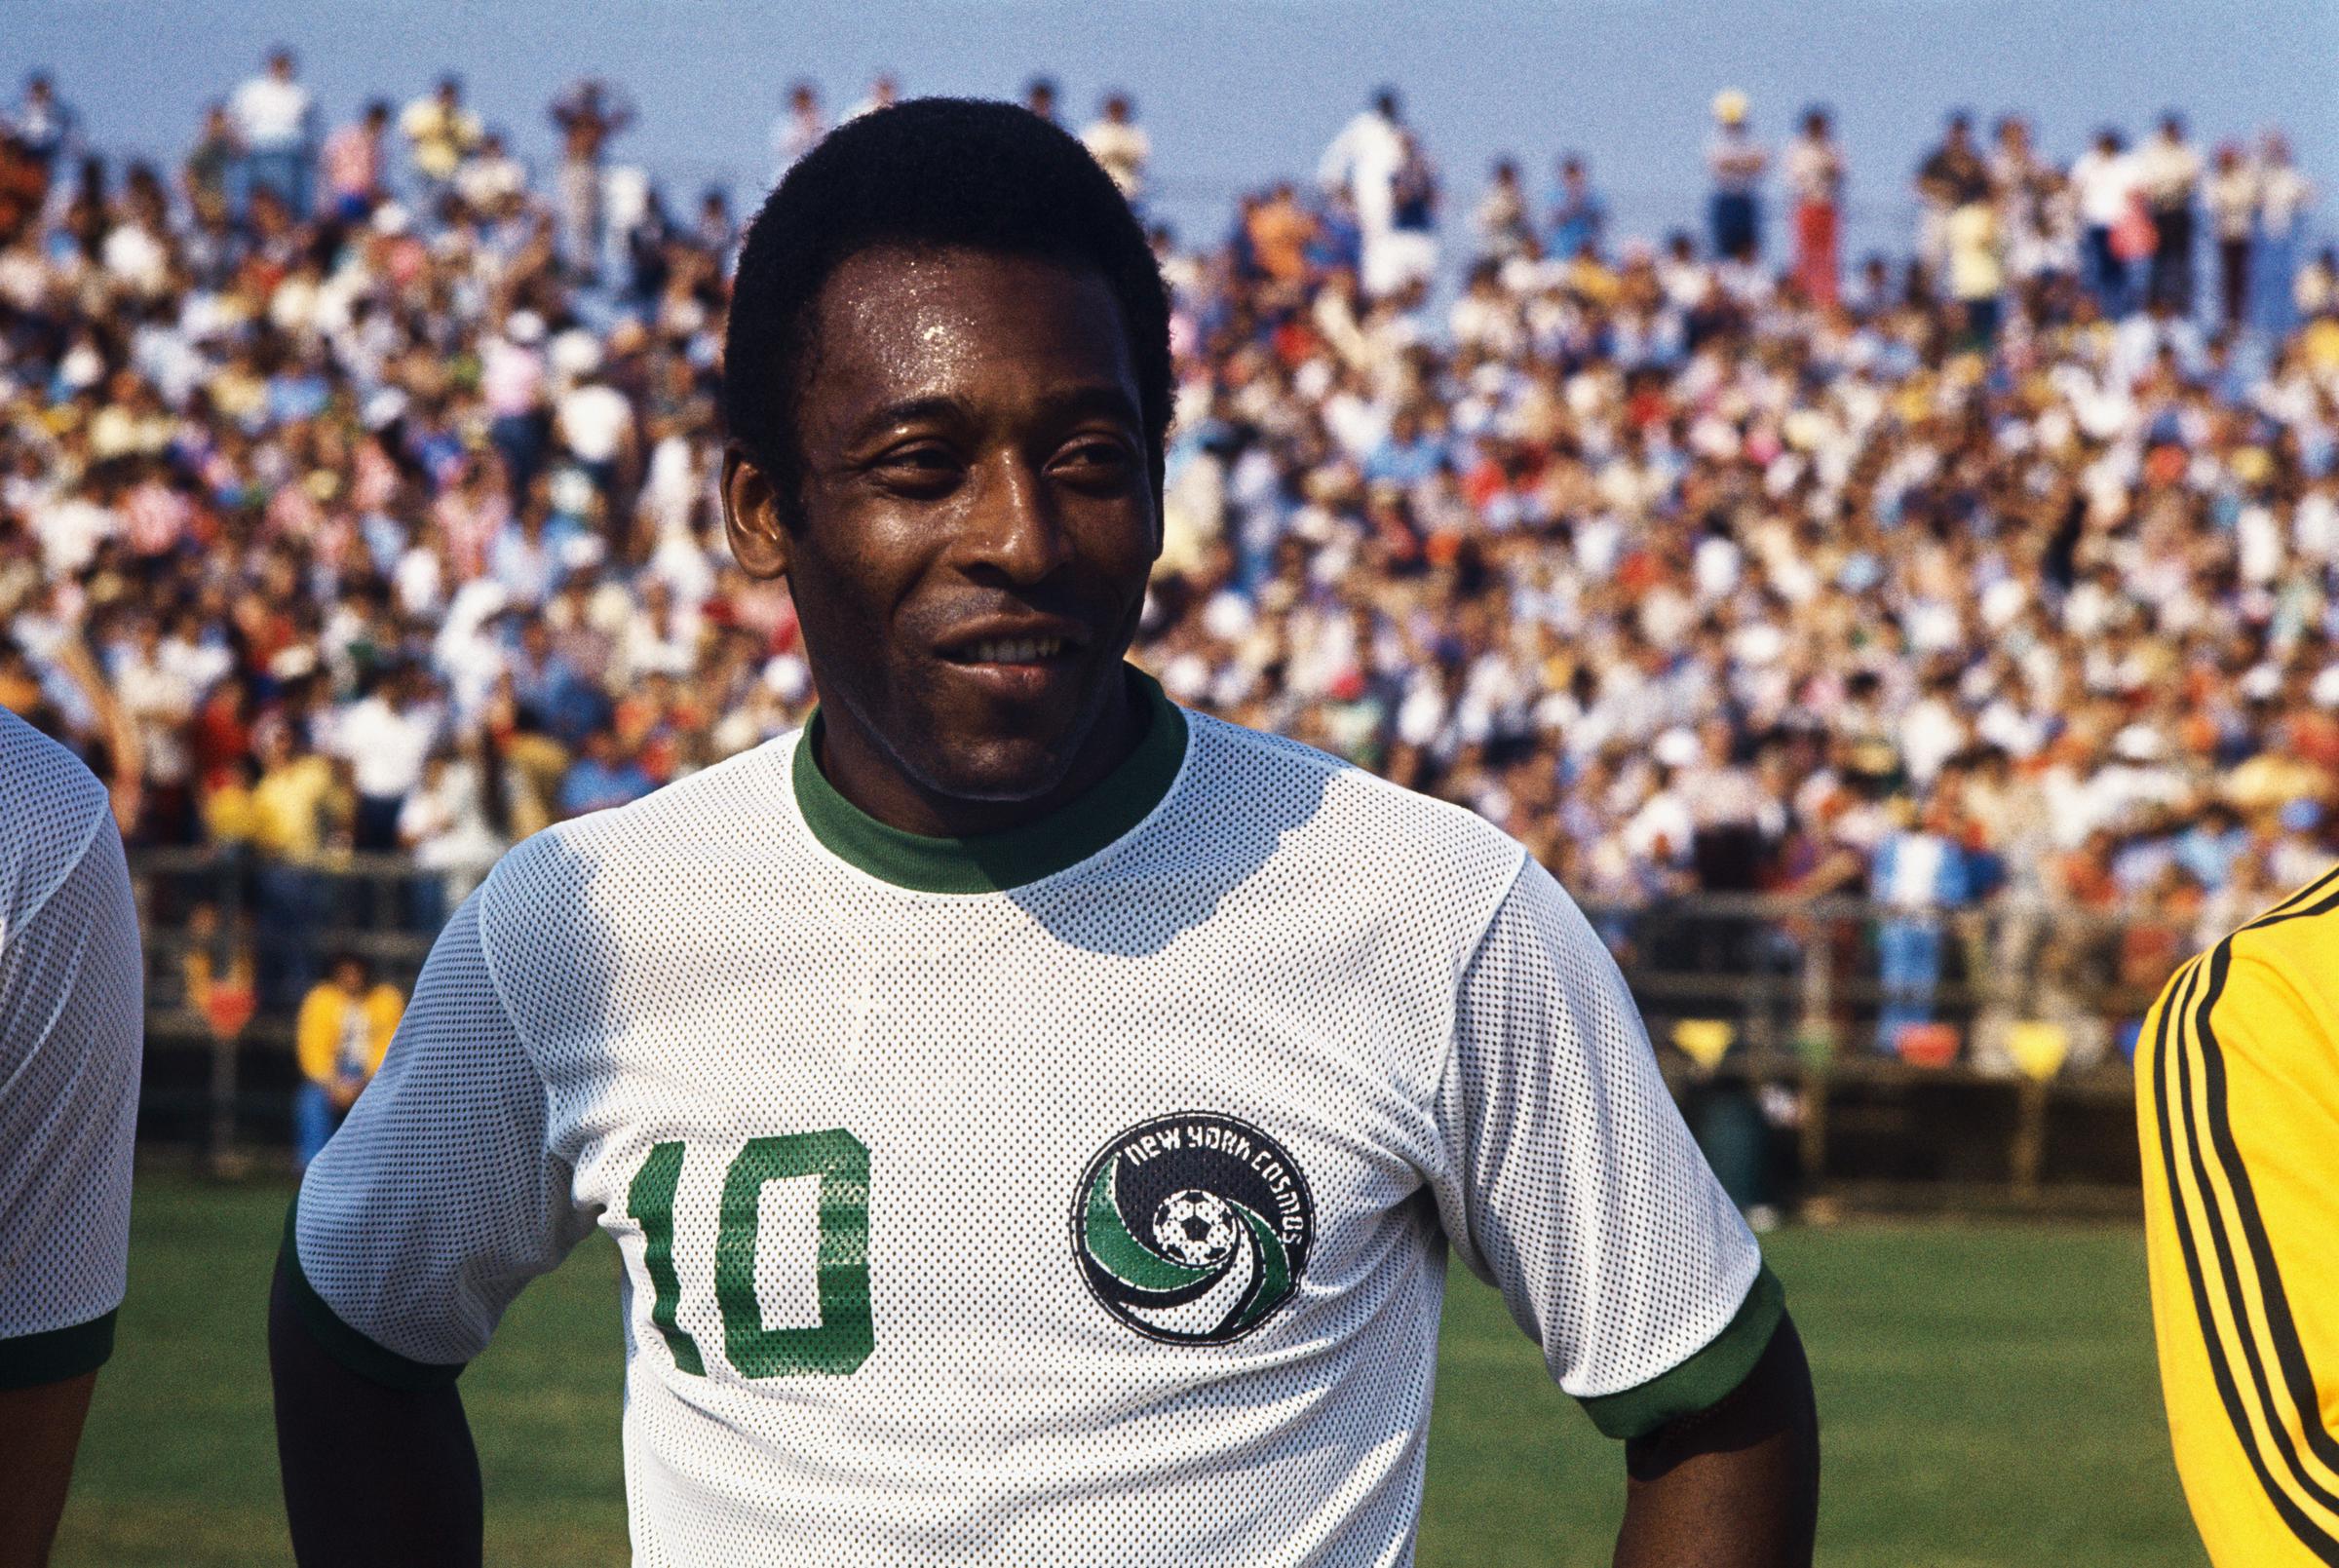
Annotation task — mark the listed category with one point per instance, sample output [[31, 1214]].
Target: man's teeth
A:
[[1018, 650]]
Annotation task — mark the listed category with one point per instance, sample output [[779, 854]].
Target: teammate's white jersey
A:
[[72, 1026], [1076, 1195]]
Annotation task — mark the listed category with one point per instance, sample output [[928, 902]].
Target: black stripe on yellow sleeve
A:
[[2180, 1036]]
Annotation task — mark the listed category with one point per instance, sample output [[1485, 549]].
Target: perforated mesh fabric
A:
[[71, 1030], [1576, 1188], [894, 1356]]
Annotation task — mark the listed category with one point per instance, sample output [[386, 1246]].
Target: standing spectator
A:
[[1504, 229], [798, 129], [2284, 196], [1951, 176], [1120, 144], [512, 385], [2103, 182], [276, 127], [1922, 870], [384, 738], [2036, 223], [884, 92], [1976, 276], [340, 1039], [1363, 161], [1736, 161], [588, 115], [2234, 214], [1409, 252], [210, 162], [352, 164], [1815, 178], [45, 125], [491, 181], [1580, 214], [2168, 170], [1038, 97], [441, 134]]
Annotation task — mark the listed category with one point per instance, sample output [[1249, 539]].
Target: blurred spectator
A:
[[797, 131], [1505, 230], [2233, 200], [1116, 141], [600, 778], [352, 164], [1815, 176], [884, 92], [276, 131], [2170, 171], [1038, 97], [385, 736], [340, 1038], [209, 164], [1951, 177], [1737, 162], [1579, 214], [441, 134], [2284, 197], [588, 115], [46, 127], [1363, 161], [2106, 184]]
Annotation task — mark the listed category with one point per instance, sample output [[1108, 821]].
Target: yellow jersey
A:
[[2238, 1106]]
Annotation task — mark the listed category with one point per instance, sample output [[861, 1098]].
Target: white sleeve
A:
[[1569, 1181], [73, 1029], [438, 1199]]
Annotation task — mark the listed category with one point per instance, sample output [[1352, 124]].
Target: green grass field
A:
[[1986, 1393]]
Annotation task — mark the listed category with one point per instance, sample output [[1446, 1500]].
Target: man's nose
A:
[[1016, 530]]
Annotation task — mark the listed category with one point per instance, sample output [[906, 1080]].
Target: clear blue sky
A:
[[1235, 92]]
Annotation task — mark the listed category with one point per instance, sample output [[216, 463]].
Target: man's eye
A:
[[924, 463], [1094, 456]]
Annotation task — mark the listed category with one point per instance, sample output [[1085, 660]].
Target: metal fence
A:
[[1983, 1047]]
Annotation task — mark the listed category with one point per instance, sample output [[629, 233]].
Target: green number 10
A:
[[845, 1335]]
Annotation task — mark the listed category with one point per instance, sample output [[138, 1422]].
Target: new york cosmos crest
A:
[[1193, 1228]]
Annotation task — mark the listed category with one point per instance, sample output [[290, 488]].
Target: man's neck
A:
[[871, 777]]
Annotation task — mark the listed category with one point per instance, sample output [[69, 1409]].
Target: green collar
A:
[[992, 862]]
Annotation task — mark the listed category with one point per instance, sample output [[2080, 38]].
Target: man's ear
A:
[[751, 515]]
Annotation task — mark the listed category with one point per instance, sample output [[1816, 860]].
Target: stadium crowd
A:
[[356, 495]]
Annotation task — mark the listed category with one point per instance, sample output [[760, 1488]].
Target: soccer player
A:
[[1033, 1117], [71, 1030], [2238, 1100]]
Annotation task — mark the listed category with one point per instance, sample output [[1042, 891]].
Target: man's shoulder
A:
[[55, 807], [2287, 957], [716, 810], [1350, 825]]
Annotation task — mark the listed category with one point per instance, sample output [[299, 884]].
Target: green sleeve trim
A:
[[1706, 1378], [29, 1361], [345, 1344]]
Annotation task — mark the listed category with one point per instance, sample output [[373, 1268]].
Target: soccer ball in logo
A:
[[1194, 1228]]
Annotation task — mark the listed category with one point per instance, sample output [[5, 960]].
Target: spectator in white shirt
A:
[[2104, 181], [2170, 171], [384, 738], [2284, 196], [1118, 143], [276, 123], [797, 131]]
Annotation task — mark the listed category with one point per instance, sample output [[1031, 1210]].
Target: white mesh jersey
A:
[[71, 1031], [1100, 1218]]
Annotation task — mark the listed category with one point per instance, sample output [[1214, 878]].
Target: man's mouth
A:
[[1008, 651]]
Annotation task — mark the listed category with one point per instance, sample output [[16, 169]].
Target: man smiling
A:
[[1017, 1151]]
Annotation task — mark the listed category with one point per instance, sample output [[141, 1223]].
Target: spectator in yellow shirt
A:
[[441, 134], [344, 1031]]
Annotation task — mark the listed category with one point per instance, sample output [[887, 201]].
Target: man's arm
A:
[[1735, 1485], [40, 1427], [372, 1474]]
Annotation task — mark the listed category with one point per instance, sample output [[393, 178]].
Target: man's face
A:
[[978, 516]]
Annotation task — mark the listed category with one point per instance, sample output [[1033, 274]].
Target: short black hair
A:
[[927, 175]]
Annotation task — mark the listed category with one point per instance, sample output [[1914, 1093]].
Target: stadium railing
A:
[[1859, 1050]]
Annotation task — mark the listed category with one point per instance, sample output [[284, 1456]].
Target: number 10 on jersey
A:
[[845, 1335]]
